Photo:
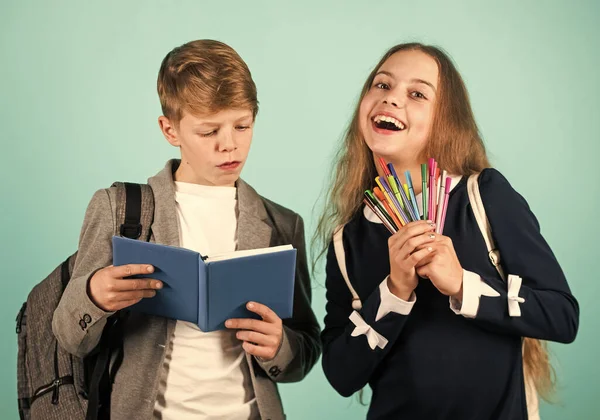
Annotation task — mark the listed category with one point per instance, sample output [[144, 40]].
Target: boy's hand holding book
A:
[[109, 292], [262, 338]]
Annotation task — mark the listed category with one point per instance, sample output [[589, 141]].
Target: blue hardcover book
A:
[[208, 292]]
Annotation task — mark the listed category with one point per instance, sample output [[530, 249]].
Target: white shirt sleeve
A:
[[389, 303], [392, 303], [473, 288]]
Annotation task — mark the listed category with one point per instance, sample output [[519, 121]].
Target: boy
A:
[[171, 369]]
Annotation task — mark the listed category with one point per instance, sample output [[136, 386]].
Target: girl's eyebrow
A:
[[387, 73], [425, 82]]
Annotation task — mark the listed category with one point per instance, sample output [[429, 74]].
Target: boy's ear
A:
[[169, 131]]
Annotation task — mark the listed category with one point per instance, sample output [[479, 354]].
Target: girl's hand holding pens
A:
[[262, 338], [442, 267], [407, 248]]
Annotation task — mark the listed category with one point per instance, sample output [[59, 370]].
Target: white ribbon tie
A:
[[514, 286], [362, 328]]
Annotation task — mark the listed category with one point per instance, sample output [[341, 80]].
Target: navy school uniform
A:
[[438, 364]]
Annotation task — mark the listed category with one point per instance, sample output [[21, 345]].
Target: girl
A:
[[430, 330]]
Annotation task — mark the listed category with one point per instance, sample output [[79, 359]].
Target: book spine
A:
[[202, 294]]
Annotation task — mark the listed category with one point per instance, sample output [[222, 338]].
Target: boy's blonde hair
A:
[[204, 77]]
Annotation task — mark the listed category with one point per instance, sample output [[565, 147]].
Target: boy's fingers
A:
[[256, 338], [251, 325], [259, 351], [138, 294], [127, 303], [136, 284], [127, 270], [114, 306], [264, 311]]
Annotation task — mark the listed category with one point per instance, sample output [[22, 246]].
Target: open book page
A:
[[247, 253]]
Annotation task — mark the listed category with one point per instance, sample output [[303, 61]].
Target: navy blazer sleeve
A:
[[349, 362], [550, 311]]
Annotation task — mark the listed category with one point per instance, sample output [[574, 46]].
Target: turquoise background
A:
[[78, 111]]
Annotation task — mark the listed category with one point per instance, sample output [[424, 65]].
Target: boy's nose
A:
[[227, 143]]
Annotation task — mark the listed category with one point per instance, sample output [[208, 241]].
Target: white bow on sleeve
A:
[[514, 286], [362, 328]]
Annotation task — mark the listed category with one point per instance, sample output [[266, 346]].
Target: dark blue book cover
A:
[[209, 292]]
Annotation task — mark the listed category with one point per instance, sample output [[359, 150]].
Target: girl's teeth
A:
[[392, 120]]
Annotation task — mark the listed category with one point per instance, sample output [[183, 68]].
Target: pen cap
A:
[[392, 170], [384, 167], [382, 182], [431, 166], [379, 194], [370, 196], [424, 172], [448, 183], [392, 184]]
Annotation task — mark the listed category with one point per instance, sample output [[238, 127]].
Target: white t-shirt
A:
[[205, 375]]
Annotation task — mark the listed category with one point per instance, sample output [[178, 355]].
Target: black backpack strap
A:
[[135, 210], [65, 273], [100, 387], [134, 216], [132, 226]]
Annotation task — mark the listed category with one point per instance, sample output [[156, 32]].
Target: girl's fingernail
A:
[[431, 236], [429, 249]]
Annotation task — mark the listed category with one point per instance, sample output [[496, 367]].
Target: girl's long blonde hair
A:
[[464, 155]]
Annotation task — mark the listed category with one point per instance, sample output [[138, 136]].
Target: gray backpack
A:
[[52, 384]]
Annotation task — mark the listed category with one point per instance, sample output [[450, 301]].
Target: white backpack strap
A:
[[340, 256], [494, 255], [483, 222]]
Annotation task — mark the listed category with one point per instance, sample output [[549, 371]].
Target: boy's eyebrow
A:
[[205, 123]]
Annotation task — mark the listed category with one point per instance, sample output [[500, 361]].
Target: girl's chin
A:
[[392, 150], [386, 151]]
